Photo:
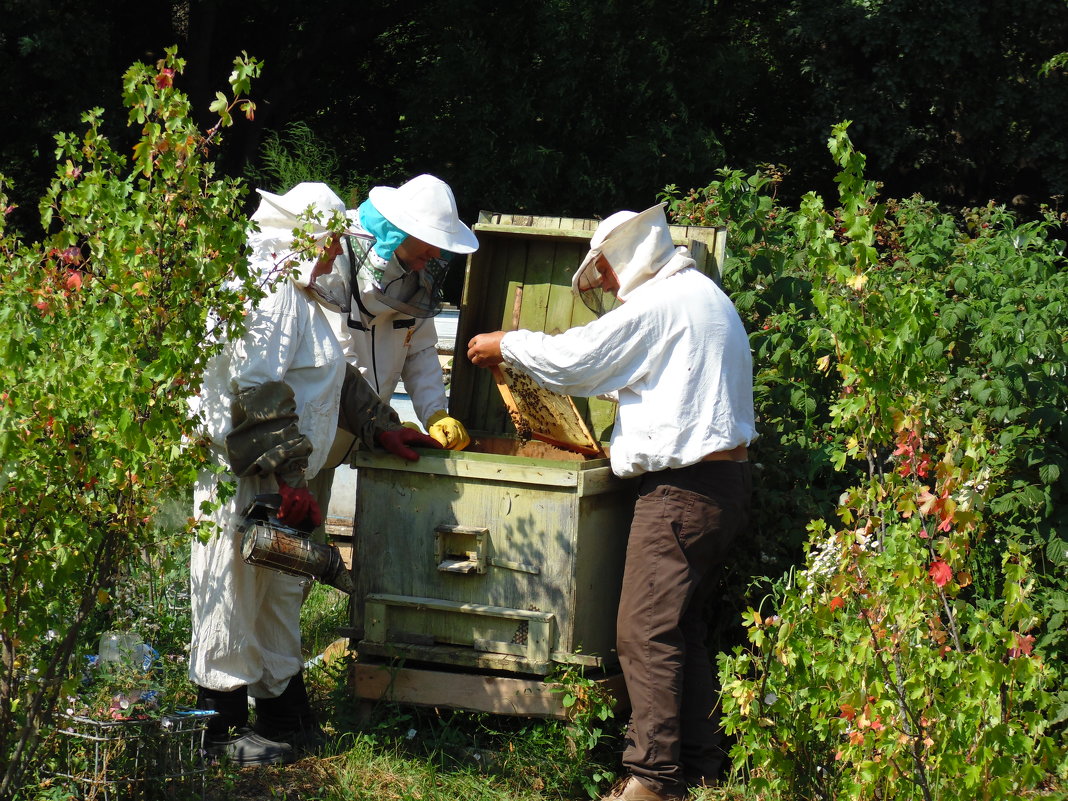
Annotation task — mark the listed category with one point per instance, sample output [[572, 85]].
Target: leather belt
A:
[[738, 454]]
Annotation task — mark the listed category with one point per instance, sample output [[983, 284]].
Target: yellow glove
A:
[[449, 431], [411, 425]]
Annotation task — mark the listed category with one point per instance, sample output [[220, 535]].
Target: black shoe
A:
[[290, 719], [310, 740], [246, 748]]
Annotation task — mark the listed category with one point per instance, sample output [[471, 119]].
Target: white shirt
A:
[[677, 355]]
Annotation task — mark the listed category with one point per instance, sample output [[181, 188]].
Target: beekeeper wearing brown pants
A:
[[671, 348]]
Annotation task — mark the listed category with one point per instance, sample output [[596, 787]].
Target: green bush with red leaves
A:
[[104, 325], [912, 398]]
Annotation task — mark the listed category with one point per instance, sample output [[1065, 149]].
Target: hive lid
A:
[[541, 414]]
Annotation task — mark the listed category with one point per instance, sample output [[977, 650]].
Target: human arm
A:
[[602, 356], [373, 422], [421, 372], [422, 377]]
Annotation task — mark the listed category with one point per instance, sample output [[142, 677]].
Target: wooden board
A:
[[471, 691], [538, 413]]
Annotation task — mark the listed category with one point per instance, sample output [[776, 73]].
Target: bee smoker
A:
[[268, 542]]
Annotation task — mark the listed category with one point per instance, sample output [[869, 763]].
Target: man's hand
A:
[[298, 505], [398, 440], [484, 350], [449, 431]]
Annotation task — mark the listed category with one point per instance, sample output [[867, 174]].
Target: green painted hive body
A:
[[508, 555]]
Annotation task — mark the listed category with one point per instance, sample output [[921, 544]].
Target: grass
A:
[[388, 752]]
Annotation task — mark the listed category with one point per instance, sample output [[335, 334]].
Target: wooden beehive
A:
[[508, 555]]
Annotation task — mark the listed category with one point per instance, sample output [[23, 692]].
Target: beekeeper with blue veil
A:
[[399, 252], [270, 405]]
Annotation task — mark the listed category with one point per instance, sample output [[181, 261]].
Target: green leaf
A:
[[1050, 472], [1057, 551]]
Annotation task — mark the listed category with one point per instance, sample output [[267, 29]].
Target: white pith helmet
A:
[[425, 208]]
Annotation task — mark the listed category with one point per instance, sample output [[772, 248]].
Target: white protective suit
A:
[[387, 345], [246, 619], [674, 407]]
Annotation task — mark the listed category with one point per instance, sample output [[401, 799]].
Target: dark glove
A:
[[298, 505], [398, 440]]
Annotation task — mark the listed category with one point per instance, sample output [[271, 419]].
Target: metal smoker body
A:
[[270, 543]]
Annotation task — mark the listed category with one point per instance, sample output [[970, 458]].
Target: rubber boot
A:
[[290, 719], [228, 734]]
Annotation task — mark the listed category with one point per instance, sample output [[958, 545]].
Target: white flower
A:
[[411, 733]]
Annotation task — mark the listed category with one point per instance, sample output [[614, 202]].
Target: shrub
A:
[[919, 651], [105, 322]]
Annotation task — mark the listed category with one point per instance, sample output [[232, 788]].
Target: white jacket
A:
[[677, 356], [246, 619], [386, 345], [288, 338]]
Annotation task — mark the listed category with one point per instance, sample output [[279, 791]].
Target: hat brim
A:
[[290, 218], [387, 199], [586, 276]]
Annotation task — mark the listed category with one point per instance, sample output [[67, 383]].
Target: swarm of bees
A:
[[530, 402], [537, 412]]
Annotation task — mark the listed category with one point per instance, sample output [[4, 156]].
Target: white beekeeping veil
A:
[[639, 248], [425, 209], [279, 215]]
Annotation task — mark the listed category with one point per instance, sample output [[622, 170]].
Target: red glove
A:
[[398, 440], [298, 505]]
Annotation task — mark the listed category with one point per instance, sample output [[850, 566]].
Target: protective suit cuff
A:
[[294, 478]]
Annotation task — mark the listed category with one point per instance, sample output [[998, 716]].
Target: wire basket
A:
[[156, 759]]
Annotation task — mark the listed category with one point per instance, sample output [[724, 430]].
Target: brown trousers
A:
[[683, 526]]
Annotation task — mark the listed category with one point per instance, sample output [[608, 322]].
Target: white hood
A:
[[639, 248], [307, 205]]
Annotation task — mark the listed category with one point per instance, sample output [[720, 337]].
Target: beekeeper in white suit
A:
[[672, 349], [270, 405], [403, 238]]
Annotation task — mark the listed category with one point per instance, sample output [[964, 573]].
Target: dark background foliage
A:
[[560, 107]]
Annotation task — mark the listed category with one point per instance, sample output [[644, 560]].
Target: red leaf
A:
[[836, 603], [940, 573], [1024, 644]]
